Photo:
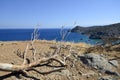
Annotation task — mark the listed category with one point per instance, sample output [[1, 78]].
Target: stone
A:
[[98, 62], [110, 72], [114, 63], [105, 78]]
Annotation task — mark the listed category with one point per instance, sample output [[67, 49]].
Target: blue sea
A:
[[44, 34]]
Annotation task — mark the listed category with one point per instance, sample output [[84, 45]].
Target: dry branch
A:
[[27, 65], [11, 67], [25, 54]]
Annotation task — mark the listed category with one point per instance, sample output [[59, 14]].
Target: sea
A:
[[44, 34]]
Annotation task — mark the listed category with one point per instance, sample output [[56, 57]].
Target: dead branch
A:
[[34, 37], [25, 54], [17, 75], [27, 65], [12, 68], [55, 70]]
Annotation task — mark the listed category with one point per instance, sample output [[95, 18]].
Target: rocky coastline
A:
[[99, 32]]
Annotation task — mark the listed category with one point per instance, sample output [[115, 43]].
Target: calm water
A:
[[47, 34]]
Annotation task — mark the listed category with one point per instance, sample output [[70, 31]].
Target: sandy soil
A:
[[75, 69]]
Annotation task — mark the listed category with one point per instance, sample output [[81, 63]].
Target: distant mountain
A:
[[98, 32]]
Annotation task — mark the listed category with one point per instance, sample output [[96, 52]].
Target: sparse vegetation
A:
[[52, 60]]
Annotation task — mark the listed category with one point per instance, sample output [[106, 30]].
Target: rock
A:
[[105, 78], [110, 72], [98, 62], [114, 63]]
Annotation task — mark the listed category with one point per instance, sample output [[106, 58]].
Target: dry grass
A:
[[75, 70]]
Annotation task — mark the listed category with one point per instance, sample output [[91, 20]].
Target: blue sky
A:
[[55, 13]]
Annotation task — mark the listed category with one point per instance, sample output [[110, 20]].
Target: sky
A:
[[57, 13]]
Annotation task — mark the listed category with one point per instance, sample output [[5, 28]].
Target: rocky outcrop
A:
[[98, 32], [98, 62]]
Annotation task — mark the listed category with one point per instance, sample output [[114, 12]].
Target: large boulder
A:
[[98, 62]]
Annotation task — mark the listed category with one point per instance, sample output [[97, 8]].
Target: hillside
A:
[[98, 32], [79, 60]]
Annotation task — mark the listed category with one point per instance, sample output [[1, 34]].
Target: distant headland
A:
[[98, 32]]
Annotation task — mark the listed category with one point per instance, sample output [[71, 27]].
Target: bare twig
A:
[[25, 54], [34, 37], [64, 33]]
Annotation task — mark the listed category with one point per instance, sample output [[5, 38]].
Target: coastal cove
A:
[[44, 34]]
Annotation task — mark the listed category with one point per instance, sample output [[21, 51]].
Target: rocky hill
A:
[[98, 32]]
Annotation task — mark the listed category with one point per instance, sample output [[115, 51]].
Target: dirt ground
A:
[[75, 69]]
